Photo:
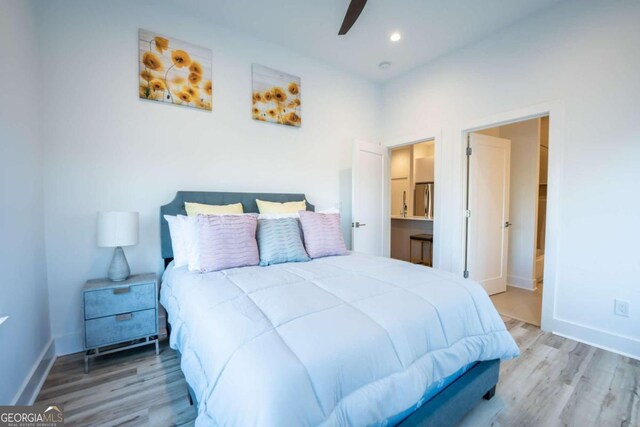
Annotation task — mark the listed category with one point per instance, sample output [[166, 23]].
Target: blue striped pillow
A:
[[279, 240]]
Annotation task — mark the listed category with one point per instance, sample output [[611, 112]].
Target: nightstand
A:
[[119, 315]]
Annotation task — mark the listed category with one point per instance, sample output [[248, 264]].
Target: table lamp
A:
[[117, 229]]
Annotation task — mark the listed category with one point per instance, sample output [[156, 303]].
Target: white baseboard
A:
[[623, 345], [521, 282], [34, 381], [509, 285], [69, 343]]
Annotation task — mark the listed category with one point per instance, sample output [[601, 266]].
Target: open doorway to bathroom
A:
[[507, 206]]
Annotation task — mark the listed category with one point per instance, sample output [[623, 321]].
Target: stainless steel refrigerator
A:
[[423, 200]]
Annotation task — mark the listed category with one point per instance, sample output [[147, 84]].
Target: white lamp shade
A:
[[117, 229]]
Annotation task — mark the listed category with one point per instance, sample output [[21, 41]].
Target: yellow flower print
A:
[[146, 75], [192, 91], [208, 87], [195, 67], [185, 96], [206, 105], [272, 113], [268, 96], [178, 80], [180, 58], [293, 88], [162, 44], [194, 78], [279, 94], [292, 119], [257, 97], [150, 60], [157, 84]]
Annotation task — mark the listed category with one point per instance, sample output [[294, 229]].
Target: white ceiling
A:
[[429, 28]]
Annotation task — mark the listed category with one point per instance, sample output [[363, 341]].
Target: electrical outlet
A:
[[621, 308]]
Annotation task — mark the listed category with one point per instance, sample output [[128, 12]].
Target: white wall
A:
[[26, 335], [523, 200], [107, 150], [583, 55]]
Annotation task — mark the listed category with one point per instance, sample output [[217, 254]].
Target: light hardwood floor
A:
[[555, 382], [520, 304]]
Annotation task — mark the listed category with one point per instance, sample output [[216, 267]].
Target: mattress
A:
[[348, 340]]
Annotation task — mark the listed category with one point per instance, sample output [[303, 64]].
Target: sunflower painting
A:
[[174, 71], [276, 96]]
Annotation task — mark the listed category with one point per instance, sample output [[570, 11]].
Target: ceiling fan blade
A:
[[353, 12]]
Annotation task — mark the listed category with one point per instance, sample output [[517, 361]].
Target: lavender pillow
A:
[[227, 241], [322, 234]]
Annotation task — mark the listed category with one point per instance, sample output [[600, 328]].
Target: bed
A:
[[347, 340]]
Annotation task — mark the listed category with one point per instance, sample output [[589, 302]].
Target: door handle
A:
[[358, 224], [123, 317], [507, 224]]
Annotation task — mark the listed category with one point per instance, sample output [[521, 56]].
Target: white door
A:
[[367, 197], [488, 222]]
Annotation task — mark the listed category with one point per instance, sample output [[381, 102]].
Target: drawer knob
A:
[[118, 291], [123, 317]]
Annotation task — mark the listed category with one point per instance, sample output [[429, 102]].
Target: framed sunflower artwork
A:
[[276, 96], [174, 72]]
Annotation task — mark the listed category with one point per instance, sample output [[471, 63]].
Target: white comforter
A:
[[349, 340]]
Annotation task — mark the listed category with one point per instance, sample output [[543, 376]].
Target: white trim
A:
[[556, 112], [3, 319], [37, 376], [600, 338], [521, 282], [509, 285]]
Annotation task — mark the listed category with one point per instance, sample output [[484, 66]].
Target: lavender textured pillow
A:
[[322, 234], [227, 241]]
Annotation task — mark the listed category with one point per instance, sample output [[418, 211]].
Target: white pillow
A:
[[178, 241], [184, 241], [192, 241]]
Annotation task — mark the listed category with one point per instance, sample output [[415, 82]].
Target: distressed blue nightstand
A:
[[120, 315]]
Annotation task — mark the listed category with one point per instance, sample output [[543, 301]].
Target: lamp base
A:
[[119, 268]]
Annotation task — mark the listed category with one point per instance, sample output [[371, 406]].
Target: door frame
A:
[[556, 112], [435, 134]]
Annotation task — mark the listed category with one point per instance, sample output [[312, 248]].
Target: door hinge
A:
[[467, 213], [466, 274], [469, 151]]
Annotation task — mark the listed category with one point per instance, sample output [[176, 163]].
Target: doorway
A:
[[412, 195], [506, 214]]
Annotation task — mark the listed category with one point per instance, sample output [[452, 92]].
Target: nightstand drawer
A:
[[121, 299], [119, 328]]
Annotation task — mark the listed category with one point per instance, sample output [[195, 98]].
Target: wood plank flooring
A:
[[555, 382]]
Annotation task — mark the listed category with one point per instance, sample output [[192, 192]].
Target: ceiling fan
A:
[[353, 12]]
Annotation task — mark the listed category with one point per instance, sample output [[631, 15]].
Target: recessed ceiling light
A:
[[395, 37], [384, 65]]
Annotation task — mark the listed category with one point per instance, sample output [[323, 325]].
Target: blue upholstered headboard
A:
[[248, 200]]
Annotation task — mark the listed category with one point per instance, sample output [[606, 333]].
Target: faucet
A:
[[404, 204]]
